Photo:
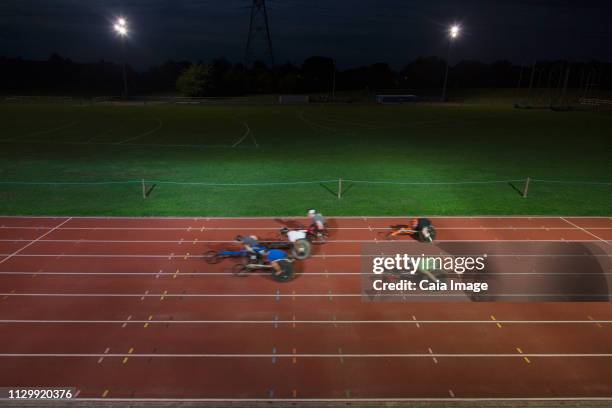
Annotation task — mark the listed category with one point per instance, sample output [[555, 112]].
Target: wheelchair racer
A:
[[251, 247], [318, 223], [275, 257]]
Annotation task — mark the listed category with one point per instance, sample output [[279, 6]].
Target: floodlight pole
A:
[[125, 84], [448, 48]]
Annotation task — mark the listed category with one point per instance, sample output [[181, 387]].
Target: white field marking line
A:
[[254, 140], [314, 322], [365, 125], [292, 217], [48, 131], [304, 275], [582, 229], [244, 136], [147, 133], [16, 253], [279, 295], [91, 139], [313, 355], [314, 125], [162, 145]]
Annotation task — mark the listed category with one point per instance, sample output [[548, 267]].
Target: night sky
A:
[[354, 32]]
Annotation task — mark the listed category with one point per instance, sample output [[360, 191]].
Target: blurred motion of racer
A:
[[422, 228], [251, 244], [318, 224], [417, 224]]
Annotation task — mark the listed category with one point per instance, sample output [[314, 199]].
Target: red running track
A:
[[125, 308]]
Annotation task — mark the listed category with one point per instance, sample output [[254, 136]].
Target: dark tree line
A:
[[59, 75]]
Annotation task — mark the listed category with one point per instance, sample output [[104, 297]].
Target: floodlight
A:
[[120, 27], [454, 31]]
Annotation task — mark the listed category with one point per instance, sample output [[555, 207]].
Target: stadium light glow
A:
[[121, 27], [454, 31]]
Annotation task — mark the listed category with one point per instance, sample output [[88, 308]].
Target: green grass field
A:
[[258, 144]]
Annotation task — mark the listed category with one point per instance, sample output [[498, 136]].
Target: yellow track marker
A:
[[498, 324], [6, 297], [294, 358], [147, 324], [187, 256], [125, 359], [165, 293], [524, 358], [597, 323], [105, 393], [194, 241], [102, 358], [175, 273], [145, 295], [294, 321], [171, 255]]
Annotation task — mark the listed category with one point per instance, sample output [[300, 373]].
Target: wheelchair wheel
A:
[[427, 234], [240, 270], [301, 249], [211, 257], [287, 268]]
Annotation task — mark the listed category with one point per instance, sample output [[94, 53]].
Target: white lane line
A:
[[141, 135], [277, 229], [403, 217], [313, 355], [244, 136], [188, 256], [582, 229], [348, 400], [17, 252], [221, 241], [313, 322], [303, 275], [284, 295]]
